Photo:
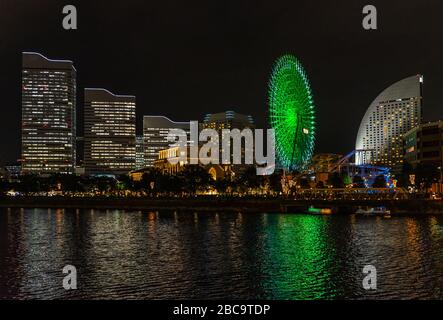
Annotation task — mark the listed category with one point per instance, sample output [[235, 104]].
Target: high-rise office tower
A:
[[229, 120], [109, 132], [48, 115], [155, 133], [394, 112]]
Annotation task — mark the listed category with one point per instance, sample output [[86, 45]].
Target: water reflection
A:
[[158, 255]]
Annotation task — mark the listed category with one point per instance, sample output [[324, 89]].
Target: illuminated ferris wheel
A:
[[291, 113]]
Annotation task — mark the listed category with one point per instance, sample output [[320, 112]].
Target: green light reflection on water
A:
[[298, 247]]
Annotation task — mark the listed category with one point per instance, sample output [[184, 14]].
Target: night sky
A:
[[183, 59]]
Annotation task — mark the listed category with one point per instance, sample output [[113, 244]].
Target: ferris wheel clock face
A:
[[291, 113]]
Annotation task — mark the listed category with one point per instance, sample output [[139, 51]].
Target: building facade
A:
[[12, 171], [48, 115], [173, 160], [227, 120], [109, 132], [155, 136], [322, 164], [394, 112], [424, 144], [230, 120], [139, 153]]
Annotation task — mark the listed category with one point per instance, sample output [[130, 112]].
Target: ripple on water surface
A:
[[167, 255]]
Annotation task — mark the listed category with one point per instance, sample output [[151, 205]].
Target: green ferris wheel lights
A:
[[291, 113]]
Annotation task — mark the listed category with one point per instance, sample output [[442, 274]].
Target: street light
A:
[[441, 179]]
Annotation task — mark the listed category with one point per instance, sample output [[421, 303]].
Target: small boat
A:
[[313, 210], [377, 211]]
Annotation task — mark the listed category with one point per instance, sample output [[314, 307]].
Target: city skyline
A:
[[109, 144], [223, 155], [109, 123], [210, 76]]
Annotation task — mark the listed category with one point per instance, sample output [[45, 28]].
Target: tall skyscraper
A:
[[48, 115], [229, 120], [155, 133], [394, 112], [109, 132]]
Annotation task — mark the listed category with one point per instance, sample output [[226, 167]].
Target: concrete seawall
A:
[[223, 204]]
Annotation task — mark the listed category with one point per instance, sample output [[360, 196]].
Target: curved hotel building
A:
[[394, 112]]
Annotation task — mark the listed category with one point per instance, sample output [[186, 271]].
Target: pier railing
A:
[[352, 194]]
